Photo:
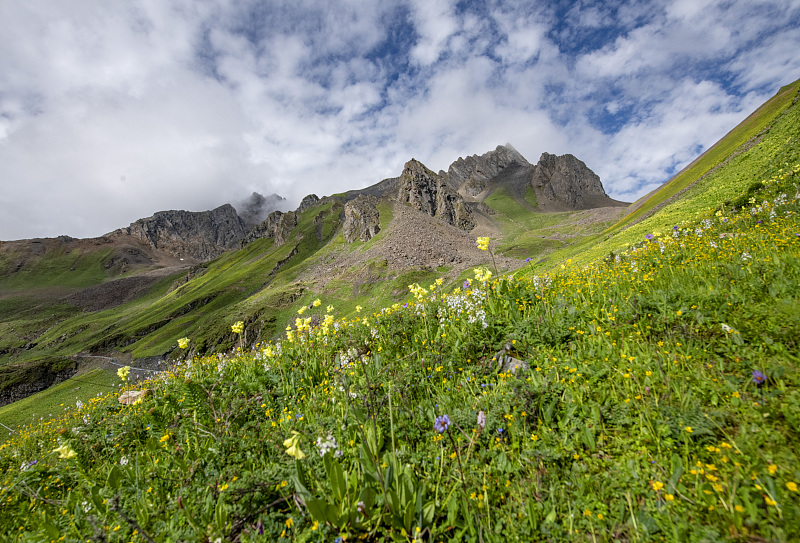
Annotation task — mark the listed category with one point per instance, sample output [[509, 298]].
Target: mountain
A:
[[179, 271]]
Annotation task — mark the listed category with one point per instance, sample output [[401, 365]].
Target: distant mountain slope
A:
[[178, 273]]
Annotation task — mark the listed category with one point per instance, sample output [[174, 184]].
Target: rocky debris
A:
[[256, 207], [564, 182], [507, 363], [201, 235], [430, 193], [133, 396], [361, 219], [309, 201], [472, 174]]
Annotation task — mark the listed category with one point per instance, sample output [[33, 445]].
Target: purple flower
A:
[[649, 236], [465, 285], [529, 258], [759, 377], [405, 305], [675, 227], [442, 423]]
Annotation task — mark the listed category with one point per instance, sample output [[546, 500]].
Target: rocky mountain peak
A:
[[256, 207], [566, 182], [472, 174], [361, 219], [430, 193], [200, 235]]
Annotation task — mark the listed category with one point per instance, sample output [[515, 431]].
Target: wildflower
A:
[[689, 429], [164, 438], [291, 446], [317, 303], [669, 497], [123, 373], [238, 327], [527, 260], [465, 284], [770, 501], [481, 420], [301, 310], [657, 485], [758, 377], [483, 243], [442, 423], [183, 342], [289, 522], [792, 486], [330, 309], [772, 469], [649, 236], [65, 451], [358, 309]]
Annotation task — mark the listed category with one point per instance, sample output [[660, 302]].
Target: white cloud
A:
[[200, 103]]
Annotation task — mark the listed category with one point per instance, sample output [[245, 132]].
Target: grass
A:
[[657, 399]]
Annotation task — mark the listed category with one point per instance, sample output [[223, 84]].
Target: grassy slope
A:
[[778, 149], [754, 124], [641, 417]]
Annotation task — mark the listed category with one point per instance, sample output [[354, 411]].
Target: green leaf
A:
[[335, 476], [114, 477]]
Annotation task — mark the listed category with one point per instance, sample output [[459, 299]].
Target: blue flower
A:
[[442, 423], [759, 377], [528, 259], [649, 236], [465, 284]]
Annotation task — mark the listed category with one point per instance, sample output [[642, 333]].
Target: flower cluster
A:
[[483, 243], [237, 327], [328, 444]]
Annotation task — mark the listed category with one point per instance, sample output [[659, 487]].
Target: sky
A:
[[113, 110]]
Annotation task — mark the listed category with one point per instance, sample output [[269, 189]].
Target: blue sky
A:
[[110, 111]]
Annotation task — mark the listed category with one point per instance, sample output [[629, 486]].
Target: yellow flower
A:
[[770, 501], [123, 373], [772, 469], [689, 429], [317, 302], [792, 486], [289, 522], [330, 309], [164, 438], [183, 342], [599, 516], [483, 243], [739, 508], [358, 309], [301, 310], [292, 449], [657, 485], [238, 327], [669, 497], [65, 451]]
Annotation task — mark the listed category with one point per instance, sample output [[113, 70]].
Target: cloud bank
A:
[[110, 111]]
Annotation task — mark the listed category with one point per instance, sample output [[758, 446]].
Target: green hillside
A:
[[640, 384]]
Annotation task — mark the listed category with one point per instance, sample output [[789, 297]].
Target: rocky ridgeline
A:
[[472, 174], [200, 235]]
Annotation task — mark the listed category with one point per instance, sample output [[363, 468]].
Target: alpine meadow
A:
[[636, 382]]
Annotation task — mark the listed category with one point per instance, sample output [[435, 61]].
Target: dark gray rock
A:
[[473, 173], [361, 219], [430, 193], [201, 235], [567, 181]]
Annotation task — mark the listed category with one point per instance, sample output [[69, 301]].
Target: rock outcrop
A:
[[430, 193], [473, 173], [309, 201], [361, 219], [567, 182], [284, 227], [201, 235]]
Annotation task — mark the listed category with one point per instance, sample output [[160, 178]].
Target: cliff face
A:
[[199, 235], [430, 193], [361, 219], [567, 182], [473, 173]]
